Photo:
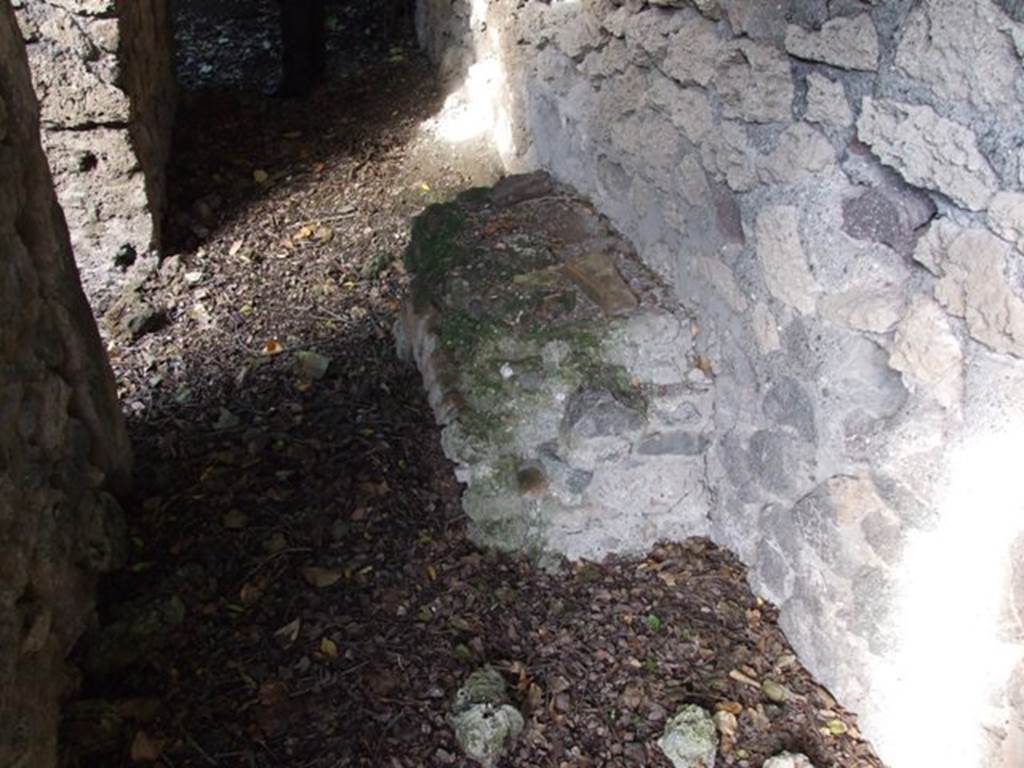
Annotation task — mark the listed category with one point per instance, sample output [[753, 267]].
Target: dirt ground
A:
[[301, 592]]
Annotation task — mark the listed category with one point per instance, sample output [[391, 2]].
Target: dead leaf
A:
[[727, 724], [534, 697], [834, 728], [732, 707], [276, 543], [260, 176], [739, 677], [236, 247], [250, 594], [289, 633], [329, 648], [144, 749], [668, 578], [632, 696], [272, 693], [235, 519], [374, 490], [272, 347], [321, 577]]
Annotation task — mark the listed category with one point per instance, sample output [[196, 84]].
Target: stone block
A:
[[849, 42], [972, 265], [782, 258], [891, 214], [800, 151], [865, 309], [577, 431], [928, 150], [826, 102], [928, 354], [959, 49]]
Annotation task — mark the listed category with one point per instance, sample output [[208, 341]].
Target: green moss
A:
[[584, 363], [483, 426], [461, 334], [434, 250]]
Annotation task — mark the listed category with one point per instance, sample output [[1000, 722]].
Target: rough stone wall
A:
[[103, 71], [837, 188], [63, 445]]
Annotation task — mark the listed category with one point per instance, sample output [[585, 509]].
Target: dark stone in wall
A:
[[1014, 8], [63, 443]]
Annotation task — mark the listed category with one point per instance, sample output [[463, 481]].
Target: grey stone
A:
[[596, 413], [718, 274], [885, 535], [674, 443], [782, 258], [928, 355], [766, 330], [826, 102], [928, 150], [690, 739], [939, 37], [484, 686], [787, 404], [752, 79], [972, 264], [773, 572], [727, 153], [801, 150], [778, 462], [754, 83], [1013, 8], [875, 311], [873, 600], [485, 724], [689, 109], [760, 20], [728, 215], [815, 518], [1006, 216], [651, 346], [850, 42]]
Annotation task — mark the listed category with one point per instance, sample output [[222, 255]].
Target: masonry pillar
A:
[[104, 74], [63, 444]]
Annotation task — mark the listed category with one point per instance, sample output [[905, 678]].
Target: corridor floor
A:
[[300, 591]]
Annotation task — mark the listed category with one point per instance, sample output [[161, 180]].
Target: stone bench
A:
[[561, 371]]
